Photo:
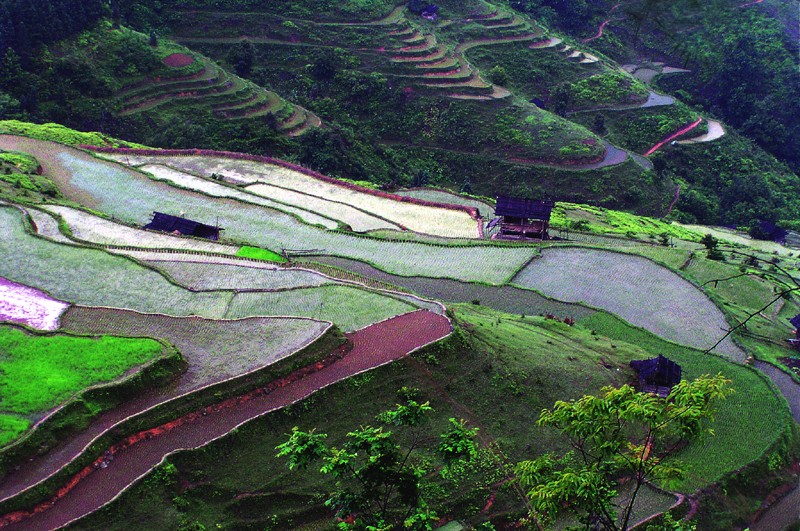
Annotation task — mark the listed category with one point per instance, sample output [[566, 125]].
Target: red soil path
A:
[[602, 25], [127, 461], [178, 60], [679, 132]]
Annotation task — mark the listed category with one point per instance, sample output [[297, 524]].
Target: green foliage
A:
[[380, 484], [38, 373], [11, 427], [23, 162], [621, 432], [260, 254], [607, 88], [61, 134]]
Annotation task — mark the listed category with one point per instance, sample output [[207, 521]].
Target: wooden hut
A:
[[523, 218], [182, 226], [657, 375]]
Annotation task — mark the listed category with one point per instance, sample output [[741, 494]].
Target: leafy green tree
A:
[[620, 434], [379, 483]]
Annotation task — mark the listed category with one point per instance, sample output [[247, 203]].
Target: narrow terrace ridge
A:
[[131, 459]]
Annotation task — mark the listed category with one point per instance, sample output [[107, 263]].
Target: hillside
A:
[[226, 219], [73, 226], [404, 101]]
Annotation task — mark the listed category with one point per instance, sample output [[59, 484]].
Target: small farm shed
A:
[[182, 226], [657, 375], [523, 218]]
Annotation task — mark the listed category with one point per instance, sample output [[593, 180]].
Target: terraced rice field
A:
[[94, 229], [29, 306], [132, 197], [46, 225], [442, 196], [192, 182], [372, 347], [350, 308], [638, 290], [385, 213], [215, 350], [206, 276], [92, 277], [356, 219]]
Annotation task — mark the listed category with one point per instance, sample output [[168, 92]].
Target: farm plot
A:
[[349, 307], [636, 289], [214, 350], [94, 229], [132, 197], [192, 182], [442, 196], [418, 218], [29, 306], [206, 276], [46, 225], [93, 277], [40, 372], [358, 220], [509, 299]]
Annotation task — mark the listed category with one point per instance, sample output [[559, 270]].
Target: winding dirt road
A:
[[127, 461]]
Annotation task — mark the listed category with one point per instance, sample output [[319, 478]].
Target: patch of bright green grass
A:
[[22, 162], [748, 422], [260, 254], [39, 372], [11, 427], [600, 220], [63, 135]]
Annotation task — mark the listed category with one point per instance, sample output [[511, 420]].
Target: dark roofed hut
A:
[[524, 218], [182, 226], [657, 375]]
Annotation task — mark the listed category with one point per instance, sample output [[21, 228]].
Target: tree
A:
[[619, 435], [710, 243], [379, 484]]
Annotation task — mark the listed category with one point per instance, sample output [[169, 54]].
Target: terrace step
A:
[[209, 75], [172, 89], [418, 50], [437, 55], [311, 121], [271, 104], [198, 94], [254, 95], [204, 72], [443, 65]]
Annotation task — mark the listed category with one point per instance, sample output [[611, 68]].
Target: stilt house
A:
[[657, 375], [524, 218], [182, 226]]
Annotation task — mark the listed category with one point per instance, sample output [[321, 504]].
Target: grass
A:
[[639, 290], [236, 481], [258, 253], [40, 372], [11, 427], [748, 423], [21, 162], [600, 220], [62, 135]]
